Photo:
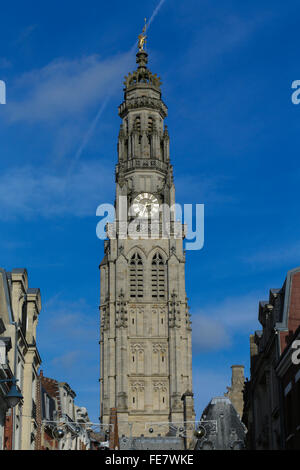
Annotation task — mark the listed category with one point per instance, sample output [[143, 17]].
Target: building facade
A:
[[272, 396], [145, 338], [19, 311], [47, 413], [5, 374], [288, 372], [57, 410]]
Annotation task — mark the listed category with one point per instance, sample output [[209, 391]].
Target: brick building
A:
[[56, 410], [48, 405], [272, 395]]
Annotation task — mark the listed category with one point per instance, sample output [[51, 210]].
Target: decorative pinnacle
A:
[[142, 75], [142, 59]]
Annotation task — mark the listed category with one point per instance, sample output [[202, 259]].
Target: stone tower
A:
[[146, 351]]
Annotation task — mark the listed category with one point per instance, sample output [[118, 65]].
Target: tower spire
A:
[[142, 76]]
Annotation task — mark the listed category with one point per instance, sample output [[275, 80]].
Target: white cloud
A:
[[34, 192], [71, 318], [271, 257], [215, 326], [68, 341], [66, 89], [65, 99], [68, 333], [209, 334], [65, 361], [204, 189], [219, 37]]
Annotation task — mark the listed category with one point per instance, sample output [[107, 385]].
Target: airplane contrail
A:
[[93, 125], [88, 135], [148, 24], [155, 12]]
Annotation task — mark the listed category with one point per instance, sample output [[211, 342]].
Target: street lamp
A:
[[14, 396]]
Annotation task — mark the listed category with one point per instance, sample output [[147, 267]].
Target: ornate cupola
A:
[[142, 113], [142, 76]]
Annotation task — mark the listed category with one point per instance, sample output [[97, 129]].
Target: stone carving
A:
[[142, 76], [137, 347], [142, 102], [187, 315], [158, 347], [121, 311], [174, 311], [106, 247], [137, 386], [160, 386], [104, 318], [135, 163]]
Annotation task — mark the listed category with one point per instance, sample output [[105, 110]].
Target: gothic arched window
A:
[[158, 277], [136, 276]]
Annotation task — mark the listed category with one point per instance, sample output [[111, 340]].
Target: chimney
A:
[[235, 392]]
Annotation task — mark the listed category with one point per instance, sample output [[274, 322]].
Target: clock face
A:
[[145, 205]]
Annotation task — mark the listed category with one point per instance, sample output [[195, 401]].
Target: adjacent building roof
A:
[[229, 432]]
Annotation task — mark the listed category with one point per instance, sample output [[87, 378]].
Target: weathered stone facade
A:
[[235, 393], [146, 355], [20, 307]]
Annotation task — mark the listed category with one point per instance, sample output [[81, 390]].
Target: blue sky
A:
[[227, 69]]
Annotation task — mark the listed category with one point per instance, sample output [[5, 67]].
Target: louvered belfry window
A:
[[136, 276], [158, 277]]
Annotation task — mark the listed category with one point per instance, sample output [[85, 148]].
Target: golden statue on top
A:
[[142, 37]]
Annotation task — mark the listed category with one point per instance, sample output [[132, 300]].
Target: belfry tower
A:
[[146, 351]]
